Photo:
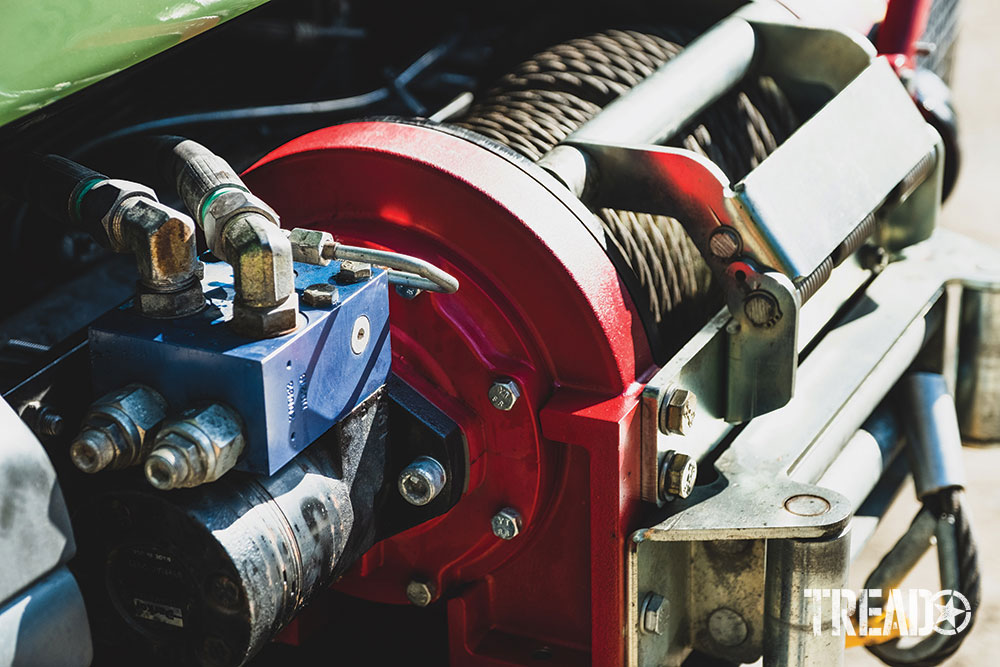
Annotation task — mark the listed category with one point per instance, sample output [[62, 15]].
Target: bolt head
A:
[[353, 272], [422, 481], [266, 322], [504, 393], [654, 613], [420, 593], [677, 476], [677, 412], [506, 523], [321, 295]]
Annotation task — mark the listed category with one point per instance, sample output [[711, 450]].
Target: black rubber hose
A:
[[59, 187]]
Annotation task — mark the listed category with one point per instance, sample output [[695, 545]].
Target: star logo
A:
[[954, 615]]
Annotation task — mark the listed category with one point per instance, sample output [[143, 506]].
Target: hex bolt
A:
[[422, 480], [361, 333], [677, 476], [506, 523], [199, 446], [504, 393], [727, 627], [43, 419], [761, 309], [677, 412], [873, 258], [353, 272], [115, 429], [420, 592], [653, 614], [320, 295], [725, 242]]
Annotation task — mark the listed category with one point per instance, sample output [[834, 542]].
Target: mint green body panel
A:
[[51, 48]]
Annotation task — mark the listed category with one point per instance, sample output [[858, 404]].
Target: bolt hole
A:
[[741, 276], [159, 473], [293, 435], [289, 365], [361, 333]]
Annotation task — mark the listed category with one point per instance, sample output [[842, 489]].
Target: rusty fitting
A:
[[116, 429], [242, 230], [164, 244], [200, 446]]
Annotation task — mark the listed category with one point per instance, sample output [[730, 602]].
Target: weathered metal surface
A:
[[288, 390]]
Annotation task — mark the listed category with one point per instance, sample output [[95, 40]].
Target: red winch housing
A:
[[540, 302]]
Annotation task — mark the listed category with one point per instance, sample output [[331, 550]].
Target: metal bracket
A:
[[768, 485]]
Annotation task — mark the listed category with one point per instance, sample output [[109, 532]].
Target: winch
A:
[[600, 366]]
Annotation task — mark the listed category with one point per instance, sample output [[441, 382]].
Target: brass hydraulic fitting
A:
[[200, 446], [241, 230], [163, 242], [116, 429]]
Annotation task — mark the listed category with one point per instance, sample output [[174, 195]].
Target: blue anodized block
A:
[[289, 390]]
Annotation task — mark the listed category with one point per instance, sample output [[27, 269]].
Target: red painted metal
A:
[[540, 302], [904, 24]]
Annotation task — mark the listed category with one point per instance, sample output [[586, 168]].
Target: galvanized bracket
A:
[[767, 487]]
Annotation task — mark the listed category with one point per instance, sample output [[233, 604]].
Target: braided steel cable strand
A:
[[552, 94]]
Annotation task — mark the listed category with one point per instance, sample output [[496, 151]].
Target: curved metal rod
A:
[[416, 272]]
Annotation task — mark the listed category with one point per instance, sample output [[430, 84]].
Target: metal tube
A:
[[978, 387], [865, 457], [795, 569], [932, 431], [442, 281], [663, 103]]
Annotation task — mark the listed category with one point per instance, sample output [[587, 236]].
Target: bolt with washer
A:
[[420, 592], [677, 476], [677, 412], [422, 481], [320, 295], [354, 272], [504, 393], [653, 614], [506, 523]]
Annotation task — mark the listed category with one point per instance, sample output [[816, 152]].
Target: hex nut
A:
[[504, 393], [506, 523], [225, 207], [677, 412], [420, 593], [116, 429], [109, 195], [179, 303], [353, 272], [653, 614], [308, 244], [199, 446], [320, 295], [266, 322], [677, 476]]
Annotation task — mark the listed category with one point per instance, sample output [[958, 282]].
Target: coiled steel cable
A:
[[550, 95]]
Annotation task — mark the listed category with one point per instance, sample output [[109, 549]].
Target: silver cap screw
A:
[[677, 412], [677, 476], [506, 523], [653, 614], [422, 481], [419, 592], [504, 394]]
